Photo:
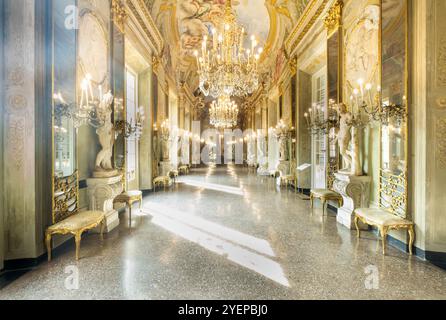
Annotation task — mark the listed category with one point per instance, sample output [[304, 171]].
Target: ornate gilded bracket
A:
[[119, 15], [333, 20]]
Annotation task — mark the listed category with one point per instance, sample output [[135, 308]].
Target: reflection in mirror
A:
[[119, 91], [334, 97], [64, 84], [333, 44], [394, 139], [394, 82]]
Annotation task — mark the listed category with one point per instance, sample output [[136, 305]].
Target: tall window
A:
[[319, 149], [131, 103]]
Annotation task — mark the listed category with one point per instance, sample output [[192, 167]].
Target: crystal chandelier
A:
[[223, 113], [226, 68]]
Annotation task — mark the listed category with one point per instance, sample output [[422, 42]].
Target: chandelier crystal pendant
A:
[[223, 113], [225, 67]]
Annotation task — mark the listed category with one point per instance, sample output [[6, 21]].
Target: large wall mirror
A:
[[118, 87], [64, 85], [333, 24], [394, 137]]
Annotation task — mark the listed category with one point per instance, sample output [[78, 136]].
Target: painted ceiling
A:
[[183, 23]]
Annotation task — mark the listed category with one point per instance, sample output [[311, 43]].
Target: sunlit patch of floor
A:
[[223, 241], [212, 186]]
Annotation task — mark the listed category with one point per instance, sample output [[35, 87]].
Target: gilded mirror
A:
[[64, 86], [333, 24], [394, 136], [118, 85]]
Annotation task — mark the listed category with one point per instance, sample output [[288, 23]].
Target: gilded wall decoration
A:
[[16, 76], [17, 102], [441, 142], [441, 102], [441, 63], [16, 140]]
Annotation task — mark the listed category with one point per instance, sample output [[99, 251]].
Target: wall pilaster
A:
[[428, 125]]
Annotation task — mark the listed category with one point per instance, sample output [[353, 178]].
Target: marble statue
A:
[[262, 154], [283, 148], [344, 137], [165, 147], [104, 166]]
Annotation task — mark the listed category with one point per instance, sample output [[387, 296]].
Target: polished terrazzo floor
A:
[[225, 233]]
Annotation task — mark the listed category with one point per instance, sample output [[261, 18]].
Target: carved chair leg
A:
[[77, 239], [130, 215], [411, 238], [358, 231], [312, 201], [324, 207], [48, 244], [140, 203], [102, 229], [383, 232]]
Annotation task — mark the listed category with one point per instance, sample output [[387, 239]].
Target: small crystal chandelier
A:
[[223, 113], [226, 68]]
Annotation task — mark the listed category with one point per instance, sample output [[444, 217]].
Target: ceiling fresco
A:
[[184, 22]]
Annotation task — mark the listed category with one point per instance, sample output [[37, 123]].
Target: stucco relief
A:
[[441, 143], [362, 52], [93, 48]]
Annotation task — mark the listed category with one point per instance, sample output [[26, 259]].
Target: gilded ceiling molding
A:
[[293, 66], [333, 20], [119, 15], [140, 16], [311, 14]]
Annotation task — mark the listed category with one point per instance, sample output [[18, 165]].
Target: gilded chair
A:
[[183, 169], [392, 212], [66, 216], [130, 198], [325, 195], [161, 181], [288, 179]]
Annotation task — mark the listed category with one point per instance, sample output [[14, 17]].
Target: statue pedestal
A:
[[356, 193], [102, 192]]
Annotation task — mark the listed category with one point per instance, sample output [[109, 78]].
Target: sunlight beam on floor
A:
[[243, 257], [213, 186], [253, 243]]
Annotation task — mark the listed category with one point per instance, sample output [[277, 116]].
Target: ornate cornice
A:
[[141, 17], [311, 14], [333, 20]]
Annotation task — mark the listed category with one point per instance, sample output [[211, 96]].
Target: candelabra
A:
[[365, 100], [86, 112], [132, 129], [320, 122]]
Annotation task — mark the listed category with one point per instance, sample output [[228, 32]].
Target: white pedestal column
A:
[[102, 192], [356, 193]]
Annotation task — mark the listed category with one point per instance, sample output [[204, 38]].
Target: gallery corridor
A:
[[226, 233]]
